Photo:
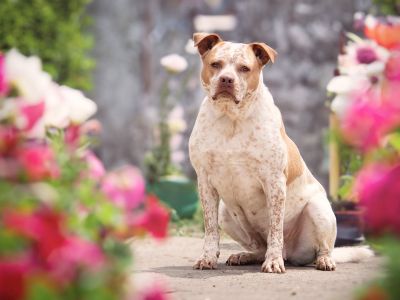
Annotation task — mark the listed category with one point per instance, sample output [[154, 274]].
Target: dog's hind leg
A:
[[250, 241], [317, 236]]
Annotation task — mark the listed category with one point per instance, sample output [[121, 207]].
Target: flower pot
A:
[[179, 193], [349, 227]]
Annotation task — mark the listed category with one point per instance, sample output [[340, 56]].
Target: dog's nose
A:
[[226, 81]]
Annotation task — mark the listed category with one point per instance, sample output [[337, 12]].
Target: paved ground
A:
[[172, 261]]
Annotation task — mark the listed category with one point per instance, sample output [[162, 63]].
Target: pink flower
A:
[[13, 279], [95, 168], [371, 116], [155, 219], [8, 139], [155, 292], [37, 162], [392, 69], [75, 253], [3, 81], [31, 114], [378, 190], [125, 187], [72, 135]]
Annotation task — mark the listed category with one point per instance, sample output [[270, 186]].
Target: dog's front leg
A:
[[276, 195], [209, 201]]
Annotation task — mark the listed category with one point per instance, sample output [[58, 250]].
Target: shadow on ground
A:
[[187, 271]]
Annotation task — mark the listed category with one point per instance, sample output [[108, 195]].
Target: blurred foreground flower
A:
[[385, 31], [378, 190], [13, 277], [95, 168], [54, 250], [60, 213], [174, 63], [125, 187], [371, 116], [154, 220], [154, 292], [3, 81], [37, 162], [25, 74]]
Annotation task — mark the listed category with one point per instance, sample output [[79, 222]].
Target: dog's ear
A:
[[205, 41], [263, 53]]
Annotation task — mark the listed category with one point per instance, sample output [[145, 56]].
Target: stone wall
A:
[[131, 36]]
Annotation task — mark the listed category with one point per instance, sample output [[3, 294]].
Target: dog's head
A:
[[231, 71]]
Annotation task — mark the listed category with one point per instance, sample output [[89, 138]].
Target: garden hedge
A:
[[55, 31]]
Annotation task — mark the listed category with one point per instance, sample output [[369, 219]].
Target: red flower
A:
[[53, 250], [8, 139], [378, 190], [43, 227], [155, 218], [125, 187], [37, 162], [3, 81], [13, 275]]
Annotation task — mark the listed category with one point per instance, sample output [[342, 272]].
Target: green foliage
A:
[[388, 7], [54, 31]]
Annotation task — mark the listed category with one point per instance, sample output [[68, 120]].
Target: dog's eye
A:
[[244, 69], [216, 65]]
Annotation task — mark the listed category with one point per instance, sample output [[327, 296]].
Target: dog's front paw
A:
[[206, 262], [325, 263], [273, 265]]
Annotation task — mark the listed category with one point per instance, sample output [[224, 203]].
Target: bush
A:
[[54, 31]]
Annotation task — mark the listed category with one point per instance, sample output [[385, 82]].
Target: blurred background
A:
[[112, 50], [131, 37]]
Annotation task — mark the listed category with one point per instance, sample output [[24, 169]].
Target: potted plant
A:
[[165, 178]]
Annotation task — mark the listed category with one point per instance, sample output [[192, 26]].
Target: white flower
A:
[[349, 62], [190, 48], [8, 109], [340, 104], [26, 75], [208, 23], [57, 111], [80, 108], [174, 63], [346, 84]]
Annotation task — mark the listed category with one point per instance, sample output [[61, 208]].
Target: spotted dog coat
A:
[[252, 180]]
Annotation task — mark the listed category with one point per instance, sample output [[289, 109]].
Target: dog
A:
[[252, 180]]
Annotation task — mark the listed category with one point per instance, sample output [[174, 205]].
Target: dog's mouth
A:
[[225, 94]]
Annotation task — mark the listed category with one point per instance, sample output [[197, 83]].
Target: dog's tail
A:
[[351, 254]]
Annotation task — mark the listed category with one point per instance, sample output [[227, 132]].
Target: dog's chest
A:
[[232, 158]]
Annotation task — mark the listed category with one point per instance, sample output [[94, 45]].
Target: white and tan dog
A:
[[252, 179]]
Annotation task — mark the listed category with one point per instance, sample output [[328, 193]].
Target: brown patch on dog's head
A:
[[205, 41], [231, 71], [263, 53]]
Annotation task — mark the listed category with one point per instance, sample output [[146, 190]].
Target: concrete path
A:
[[172, 260]]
